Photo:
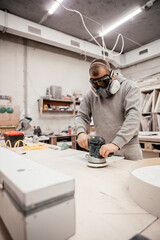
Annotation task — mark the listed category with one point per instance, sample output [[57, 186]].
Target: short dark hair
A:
[[94, 70]]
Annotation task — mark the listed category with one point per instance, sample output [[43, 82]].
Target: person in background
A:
[[114, 103]]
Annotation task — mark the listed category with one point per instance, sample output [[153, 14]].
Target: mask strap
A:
[[99, 63], [108, 88]]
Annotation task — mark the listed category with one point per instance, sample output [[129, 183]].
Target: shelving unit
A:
[[57, 105], [150, 144], [150, 108]]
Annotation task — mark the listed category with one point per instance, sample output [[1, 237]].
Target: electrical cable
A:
[[5, 144], [102, 47], [110, 51], [17, 143], [81, 16], [92, 20], [123, 37], [10, 145], [130, 39], [25, 146], [34, 147]]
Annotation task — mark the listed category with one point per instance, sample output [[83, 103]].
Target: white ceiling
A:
[[141, 30]]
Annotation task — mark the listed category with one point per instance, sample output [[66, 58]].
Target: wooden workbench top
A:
[[104, 208]]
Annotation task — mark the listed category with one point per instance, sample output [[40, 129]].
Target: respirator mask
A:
[[104, 86]]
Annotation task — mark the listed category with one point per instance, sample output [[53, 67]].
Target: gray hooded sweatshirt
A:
[[115, 118]]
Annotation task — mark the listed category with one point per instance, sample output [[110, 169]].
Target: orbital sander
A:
[[94, 158]]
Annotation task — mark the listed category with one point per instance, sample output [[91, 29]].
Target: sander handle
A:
[[94, 144]]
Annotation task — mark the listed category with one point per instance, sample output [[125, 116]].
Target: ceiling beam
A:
[[28, 29]]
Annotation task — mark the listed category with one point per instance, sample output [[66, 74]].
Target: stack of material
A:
[[149, 81]]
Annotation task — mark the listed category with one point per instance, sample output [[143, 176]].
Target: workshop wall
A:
[[142, 70], [45, 66]]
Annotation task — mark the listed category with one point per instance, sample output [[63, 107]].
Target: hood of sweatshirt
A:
[[119, 77]]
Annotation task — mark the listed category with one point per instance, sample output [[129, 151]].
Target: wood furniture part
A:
[[9, 121], [150, 145], [150, 115], [73, 139]]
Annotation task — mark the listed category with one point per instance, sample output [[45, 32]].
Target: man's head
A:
[[99, 68], [102, 78]]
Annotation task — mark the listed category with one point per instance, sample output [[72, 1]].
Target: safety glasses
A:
[[100, 82]]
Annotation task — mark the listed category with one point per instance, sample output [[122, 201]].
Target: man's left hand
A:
[[108, 148]]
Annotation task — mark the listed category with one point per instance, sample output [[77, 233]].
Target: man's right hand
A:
[[83, 140]]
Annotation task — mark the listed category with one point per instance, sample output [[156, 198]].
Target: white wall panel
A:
[[142, 70], [46, 66]]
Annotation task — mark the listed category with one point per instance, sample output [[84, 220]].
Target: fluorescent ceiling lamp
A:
[[55, 6], [120, 22]]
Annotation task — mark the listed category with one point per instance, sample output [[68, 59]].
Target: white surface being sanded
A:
[[30, 180], [144, 185], [104, 207], [150, 174]]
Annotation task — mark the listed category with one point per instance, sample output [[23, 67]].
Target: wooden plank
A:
[[73, 138], [10, 119], [152, 150], [150, 146], [54, 140], [149, 138]]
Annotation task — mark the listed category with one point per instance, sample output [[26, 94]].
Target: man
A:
[[114, 104]]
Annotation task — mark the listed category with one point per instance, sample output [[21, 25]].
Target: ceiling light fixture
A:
[[55, 6], [120, 22]]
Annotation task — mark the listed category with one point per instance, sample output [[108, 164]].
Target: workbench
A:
[[150, 144], [104, 207], [54, 139]]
